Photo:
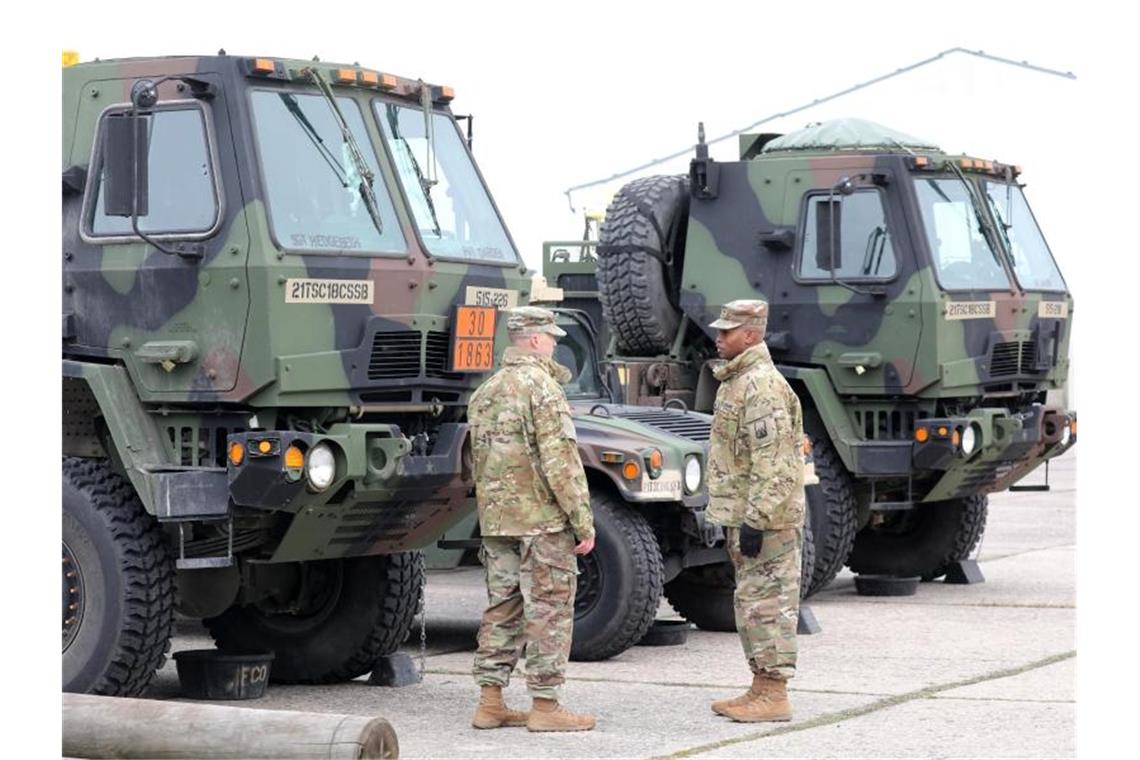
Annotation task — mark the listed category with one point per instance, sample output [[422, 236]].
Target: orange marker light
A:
[[966, 163], [955, 438], [446, 93], [921, 162], [294, 458], [806, 446], [370, 78], [942, 431], [264, 447], [631, 470], [921, 435], [263, 66], [346, 76], [387, 81], [1073, 426], [237, 453], [656, 460]]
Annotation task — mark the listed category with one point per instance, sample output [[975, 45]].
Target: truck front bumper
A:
[[383, 497]]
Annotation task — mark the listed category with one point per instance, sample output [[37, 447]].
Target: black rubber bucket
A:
[[666, 633], [213, 674]]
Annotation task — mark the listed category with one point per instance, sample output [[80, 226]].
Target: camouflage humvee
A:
[[280, 282], [915, 308], [647, 491]]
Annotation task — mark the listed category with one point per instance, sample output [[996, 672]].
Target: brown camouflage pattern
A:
[[528, 474], [767, 600], [531, 583], [756, 471]]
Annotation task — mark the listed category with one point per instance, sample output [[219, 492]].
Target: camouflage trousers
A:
[[767, 600], [531, 582]]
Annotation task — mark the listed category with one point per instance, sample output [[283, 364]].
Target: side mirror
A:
[[125, 167]]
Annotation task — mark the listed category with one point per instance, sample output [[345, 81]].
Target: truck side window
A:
[[182, 193], [862, 241]]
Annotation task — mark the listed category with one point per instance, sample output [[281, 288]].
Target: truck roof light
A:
[[370, 78], [921, 162], [263, 66], [446, 94], [346, 76], [966, 163], [70, 58], [387, 82]]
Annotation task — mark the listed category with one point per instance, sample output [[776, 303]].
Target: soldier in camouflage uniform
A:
[[534, 515], [756, 491]]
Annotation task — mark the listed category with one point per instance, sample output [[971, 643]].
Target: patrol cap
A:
[[530, 320], [742, 312]]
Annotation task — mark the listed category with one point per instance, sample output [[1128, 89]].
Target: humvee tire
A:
[[923, 541], [632, 285], [831, 505], [369, 605], [619, 584], [703, 595], [118, 584]]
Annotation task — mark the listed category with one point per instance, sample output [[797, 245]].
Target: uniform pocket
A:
[[554, 567]]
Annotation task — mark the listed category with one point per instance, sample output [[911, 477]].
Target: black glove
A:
[[750, 540]]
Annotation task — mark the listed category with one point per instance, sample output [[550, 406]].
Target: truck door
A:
[[866, 331], [177, 322]]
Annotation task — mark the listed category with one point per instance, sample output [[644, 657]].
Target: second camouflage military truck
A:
[[279, 281], [915, 308], [646, 470]]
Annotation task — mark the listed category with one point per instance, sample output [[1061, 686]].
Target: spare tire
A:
[[638, 295]]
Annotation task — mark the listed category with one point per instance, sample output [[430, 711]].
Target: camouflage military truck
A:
[[280, 282], [646, 472], [915, 308]]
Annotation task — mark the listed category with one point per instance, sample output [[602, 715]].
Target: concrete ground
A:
[[953, 672]]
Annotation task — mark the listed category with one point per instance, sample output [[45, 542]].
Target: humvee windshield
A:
[[311, 182], [575, 353], [1033, 264], [961, 253], [454, 214]]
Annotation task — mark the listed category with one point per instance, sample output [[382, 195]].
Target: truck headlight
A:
[[320, 467], [969, 439], [692, 474]]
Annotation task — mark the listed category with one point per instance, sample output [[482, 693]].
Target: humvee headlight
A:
[[969, 439], [1066, 435], [320, 467], [692, 474]]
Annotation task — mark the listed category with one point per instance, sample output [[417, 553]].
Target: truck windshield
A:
[[575, 353], [962, 256], [454, 213], [311, 183], [1033, 264]]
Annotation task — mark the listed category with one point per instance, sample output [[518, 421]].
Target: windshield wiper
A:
[[984, 225], [876, 242], [310, 131], [425, 183], [365, 187]]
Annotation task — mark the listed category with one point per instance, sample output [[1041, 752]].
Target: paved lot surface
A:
[[952, 672]]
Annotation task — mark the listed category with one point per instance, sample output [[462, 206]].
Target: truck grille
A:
[[684, 425], [1013, 358], [396, 355]]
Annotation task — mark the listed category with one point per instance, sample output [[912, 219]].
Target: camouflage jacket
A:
[[756, 466], [528, 474]]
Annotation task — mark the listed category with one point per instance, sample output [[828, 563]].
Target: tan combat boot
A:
[[547, 715], [492, 711], [720, 705], [768, 702]]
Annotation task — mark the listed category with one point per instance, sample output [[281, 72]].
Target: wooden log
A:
[[112, 727]]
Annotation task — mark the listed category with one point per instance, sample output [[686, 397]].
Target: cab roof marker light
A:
[[370, 78], [345, 76], [70, 58], [387, 82], [263, 66], [921, 162], [445, 94]]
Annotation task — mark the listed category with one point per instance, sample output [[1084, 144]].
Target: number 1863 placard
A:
[[473, 338]]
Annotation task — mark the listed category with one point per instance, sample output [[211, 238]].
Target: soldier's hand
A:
[[751, 540], [584, 547]]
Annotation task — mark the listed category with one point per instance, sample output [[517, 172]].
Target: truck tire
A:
[[632, 284], [619, 583], [369, 605], [923, 542], [118, 584], [831, 505], [703, 595]]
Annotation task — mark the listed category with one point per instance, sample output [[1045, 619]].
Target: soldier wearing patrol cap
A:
[[534, 515], [756, 491]]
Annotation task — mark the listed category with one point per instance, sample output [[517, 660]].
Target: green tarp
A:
[[847, 134]]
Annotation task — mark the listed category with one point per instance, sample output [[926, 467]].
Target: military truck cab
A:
[[914, 306], [280, 285]]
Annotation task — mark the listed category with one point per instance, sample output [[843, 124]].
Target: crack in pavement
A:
[[882, 704]]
